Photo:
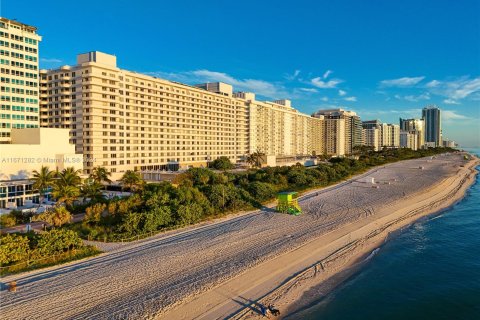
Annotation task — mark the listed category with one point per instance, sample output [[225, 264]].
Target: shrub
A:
[[93, 214], [56, 217], [57, 241], [13, 248], [189, 213], [222, 163], [261, 191], [7, 220]]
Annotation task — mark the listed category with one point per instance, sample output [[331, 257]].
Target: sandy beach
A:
[[220, 269]]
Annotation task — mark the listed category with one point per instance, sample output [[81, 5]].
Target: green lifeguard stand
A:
[[288, 203]]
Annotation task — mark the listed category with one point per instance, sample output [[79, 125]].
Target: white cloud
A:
[[450, 101], [327, 73], [350, 99], [401, 82], [341, 93], [260, 87], [414, 98], [450, 115], [312, 90], [432, 84], [456, 89], [325, 99], [318, 82], [293, 76], [50, 60]]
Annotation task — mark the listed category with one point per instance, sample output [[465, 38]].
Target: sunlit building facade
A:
[[19, 77]]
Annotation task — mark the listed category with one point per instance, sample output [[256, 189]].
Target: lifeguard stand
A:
[[288, 203]]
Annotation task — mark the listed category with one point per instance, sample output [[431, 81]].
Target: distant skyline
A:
[[382, 59]]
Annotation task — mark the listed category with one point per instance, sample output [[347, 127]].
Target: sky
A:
[[381, 59]]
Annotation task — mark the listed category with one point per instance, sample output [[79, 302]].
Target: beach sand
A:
[[220, 269]]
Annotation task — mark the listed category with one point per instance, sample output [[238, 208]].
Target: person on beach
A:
[[273, 310]]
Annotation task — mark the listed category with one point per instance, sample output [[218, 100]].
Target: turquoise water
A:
[[431, 270]]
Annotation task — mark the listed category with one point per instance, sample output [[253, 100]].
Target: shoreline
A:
[[304, 290], [320, 292], [344, 246]]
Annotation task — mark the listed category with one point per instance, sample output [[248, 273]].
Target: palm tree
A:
[[65, 194], [255, 158], [100, 174], [91, 189], [66, 188], [132, 180], [69, 177], [43, 180]]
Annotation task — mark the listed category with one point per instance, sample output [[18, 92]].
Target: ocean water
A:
[[429, 270]]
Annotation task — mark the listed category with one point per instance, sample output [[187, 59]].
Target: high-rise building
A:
[[408, 139], [334, 136], [390, 135], [19, 80], [416, 126], [276, 128], [371, 138], [433, 125], [369, 124], [352, 130], [124, 120]]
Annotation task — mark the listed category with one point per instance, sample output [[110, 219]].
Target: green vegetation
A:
[[202, 194], [13, 218], [222, 163], [22, 252]]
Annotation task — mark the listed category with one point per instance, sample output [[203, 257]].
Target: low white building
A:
[[29, 150]]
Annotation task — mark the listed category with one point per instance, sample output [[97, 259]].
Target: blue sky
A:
[[382, 59]]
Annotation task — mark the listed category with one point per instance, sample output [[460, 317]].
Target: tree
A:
[[261, 191], [7, 220], [69, 177], [222, 163], [57, 241], [13, 248], [189, 213], [56, 217], [157, 218], [91, 189], [43, 180], [255, 158], [65, 194], [93, 214], [100, 175], [66, 186], [132, 180]]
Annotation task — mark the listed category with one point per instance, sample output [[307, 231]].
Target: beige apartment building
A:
[[390, 135], [349, 130], [276, 128], [125, 120], [19, 77], [371, 138], [408, 140], [414, 126]]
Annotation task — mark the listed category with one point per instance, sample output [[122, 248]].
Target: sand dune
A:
[[217, 269]]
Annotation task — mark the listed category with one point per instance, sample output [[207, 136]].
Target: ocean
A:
[[429, 270]]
